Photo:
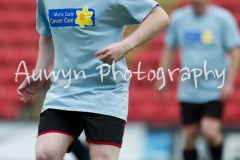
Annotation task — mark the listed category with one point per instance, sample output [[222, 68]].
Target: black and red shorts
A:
[[98, 128]]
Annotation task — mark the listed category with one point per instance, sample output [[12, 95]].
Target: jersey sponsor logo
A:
[[198, 37], [192, 36], [207, 37], [82, 17]]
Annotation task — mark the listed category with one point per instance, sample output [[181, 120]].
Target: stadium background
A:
[[153, 128]]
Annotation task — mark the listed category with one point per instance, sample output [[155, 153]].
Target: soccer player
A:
[[203, 32], [82, 36]]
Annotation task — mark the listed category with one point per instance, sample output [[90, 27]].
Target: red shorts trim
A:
[[56, 131], [70, 148], [107, 143]]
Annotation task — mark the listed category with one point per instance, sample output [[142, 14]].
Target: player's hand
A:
[[113, 52], [226, 92], [27, 89]]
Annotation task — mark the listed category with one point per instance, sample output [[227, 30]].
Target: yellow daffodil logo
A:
[[207, 37], [84, 17]]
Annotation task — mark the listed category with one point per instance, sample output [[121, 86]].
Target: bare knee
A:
[[211, 130], [52, 146], [47, 152], [190, 134], [214, 137], [209, 133], [43, 154]]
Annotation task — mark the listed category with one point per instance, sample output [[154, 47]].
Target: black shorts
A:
[[193, 113], [98, 128]]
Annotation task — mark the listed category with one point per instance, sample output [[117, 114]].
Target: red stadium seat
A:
[[18, 41], [9, 111], [232, 5], [20, 37], [16, 21], [10, 94], [18, 5], [15, 55]]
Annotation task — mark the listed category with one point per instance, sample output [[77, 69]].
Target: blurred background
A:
[[152, 132]]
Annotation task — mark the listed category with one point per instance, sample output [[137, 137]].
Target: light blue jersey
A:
[[202, 38], [79, 29]]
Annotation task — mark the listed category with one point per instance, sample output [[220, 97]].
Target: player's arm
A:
[[231, 42], [152, 25], [234, 67], [46, 53], [232, 73], [166, 60]]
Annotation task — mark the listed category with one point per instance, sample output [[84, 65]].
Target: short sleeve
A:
[[231, 36], [42, 24], [171, 34], [134, 11]]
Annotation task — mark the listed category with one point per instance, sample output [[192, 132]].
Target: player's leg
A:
[[81, 151], [190, 119], [52, 146], [56, 134], [190, 133], [103, 152], [211, 128], [104, 135]]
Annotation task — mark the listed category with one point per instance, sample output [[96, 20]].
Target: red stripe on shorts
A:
[[107, 143], [56, 131]]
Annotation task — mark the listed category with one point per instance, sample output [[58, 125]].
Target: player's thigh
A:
[[52, 145], [190, 135], [191, 130], [103, 152], [211, 120], [191, 115], [210, 126], [58, 129], [104, 134]]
